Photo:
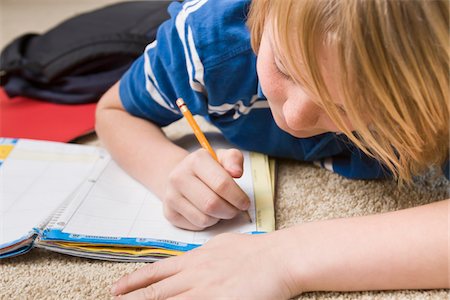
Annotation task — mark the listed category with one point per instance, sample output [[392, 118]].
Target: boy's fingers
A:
[[218, 179], [157, 291], [178, 220], [184, 206], [194, 216], [146, 276], [232, 160], [171, 286], [207, 201]]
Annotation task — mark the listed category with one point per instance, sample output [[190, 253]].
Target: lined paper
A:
[[119, 206], [35, 178]]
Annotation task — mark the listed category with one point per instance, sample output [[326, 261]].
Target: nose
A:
[[301, 113]]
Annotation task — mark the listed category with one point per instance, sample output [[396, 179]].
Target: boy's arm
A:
[[135, 143], [405, 249]]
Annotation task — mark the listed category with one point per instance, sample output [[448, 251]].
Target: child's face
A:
[[291, 104]]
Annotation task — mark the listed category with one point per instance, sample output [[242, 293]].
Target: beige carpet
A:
[[303, 193]]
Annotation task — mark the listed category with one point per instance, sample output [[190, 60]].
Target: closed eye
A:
[[341, 109], [279, 68]]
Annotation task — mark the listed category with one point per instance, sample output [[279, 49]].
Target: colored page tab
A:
[[262, 187]]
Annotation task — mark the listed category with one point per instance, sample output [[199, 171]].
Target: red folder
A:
[[22, 117]]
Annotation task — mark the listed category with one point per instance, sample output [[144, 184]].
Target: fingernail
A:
[[114, 289], [236, 172], [245, 205], [233, 167]]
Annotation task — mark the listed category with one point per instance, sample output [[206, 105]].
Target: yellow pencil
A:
[[199, 135]]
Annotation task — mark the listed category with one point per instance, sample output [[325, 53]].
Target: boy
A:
[[323, 67]]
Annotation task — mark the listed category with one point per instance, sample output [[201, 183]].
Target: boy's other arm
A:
[[405, 249]]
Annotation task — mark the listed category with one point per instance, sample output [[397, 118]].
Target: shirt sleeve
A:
[[359, 166], [352, 163], [162, 74]]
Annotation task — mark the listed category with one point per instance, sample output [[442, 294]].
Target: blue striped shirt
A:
[[203, 55]]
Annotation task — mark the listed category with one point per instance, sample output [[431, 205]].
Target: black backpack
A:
[[79, 59]]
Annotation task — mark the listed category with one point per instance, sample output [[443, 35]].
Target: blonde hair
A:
[[394, 64]]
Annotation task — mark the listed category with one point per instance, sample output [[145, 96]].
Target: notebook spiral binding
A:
[[51, 222]]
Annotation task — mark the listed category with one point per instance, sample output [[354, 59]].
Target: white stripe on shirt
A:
[[198, 66], [239, 107], [180, 24], [328, 164], [151, 84]]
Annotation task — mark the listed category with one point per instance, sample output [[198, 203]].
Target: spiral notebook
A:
[[75, 199]]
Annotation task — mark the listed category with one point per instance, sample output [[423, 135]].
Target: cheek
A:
[[272, 91], [271, 86], [293, 114]]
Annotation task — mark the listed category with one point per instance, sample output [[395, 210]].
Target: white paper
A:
[[35, 178], [116, 205]]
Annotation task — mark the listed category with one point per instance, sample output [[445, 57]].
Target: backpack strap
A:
[[12, 57]]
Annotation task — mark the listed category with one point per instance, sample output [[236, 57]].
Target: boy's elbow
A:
[[100, 112], [109, 101]]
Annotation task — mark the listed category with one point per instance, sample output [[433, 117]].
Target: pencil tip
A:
[[248, 217]]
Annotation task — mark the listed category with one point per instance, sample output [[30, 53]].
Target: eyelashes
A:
[[341, 109], [280, 72]]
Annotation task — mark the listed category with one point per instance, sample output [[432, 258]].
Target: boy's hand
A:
[[229, 266], [201, 191]]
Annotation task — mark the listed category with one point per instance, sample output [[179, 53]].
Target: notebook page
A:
[[35, 178], [116, 205]]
